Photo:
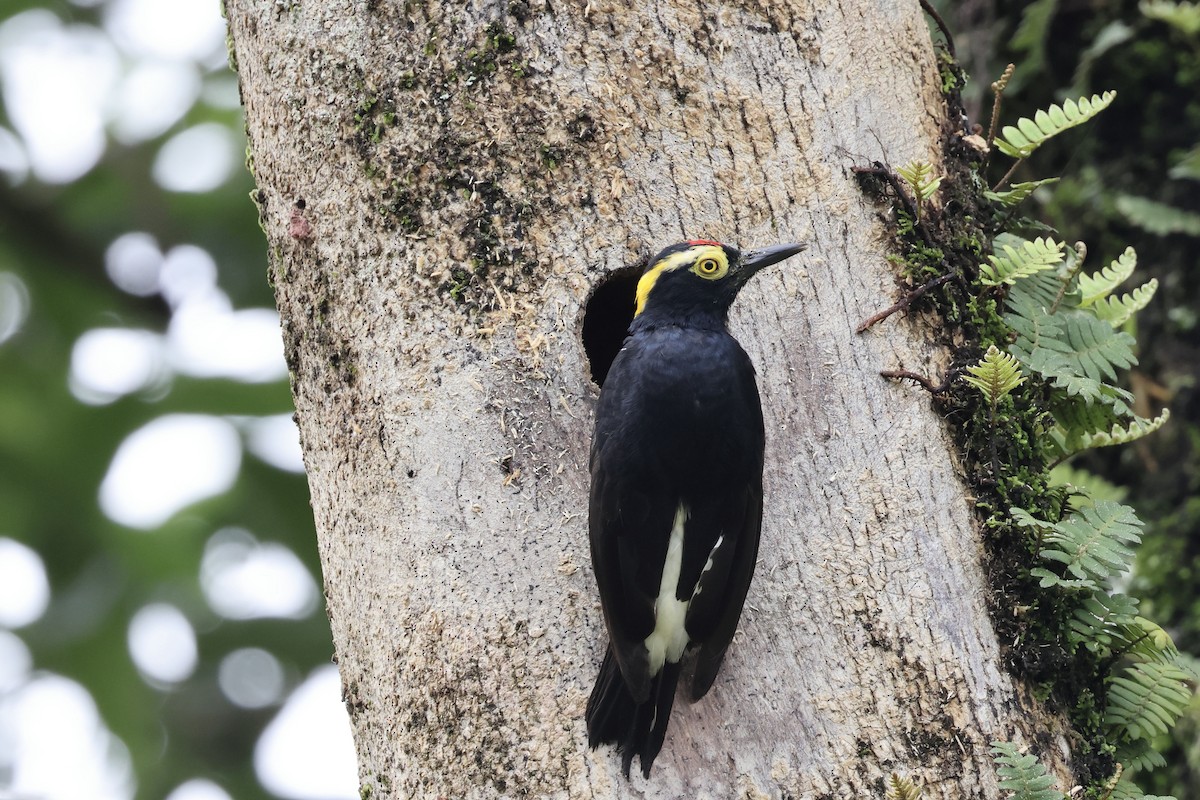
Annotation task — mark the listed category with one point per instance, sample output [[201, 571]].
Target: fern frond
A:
[[1128, 790], [1147, 700], [1033, 326], [1101, 620], [1016, 263], [903, 789], [1018, 192], [1116, 310], [1023, 775], [1027, 135], [1139, 754], [1147, 641], [1076, 350], [995, 375], [919, 175], [1158, 218], [1100, 284], [1183, 15], [1095, 543], [1124, 434], [1042, 289]]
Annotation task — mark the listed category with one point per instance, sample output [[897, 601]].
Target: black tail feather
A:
[[614, 717]]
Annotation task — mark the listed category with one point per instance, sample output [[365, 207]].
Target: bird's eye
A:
[[708, 266]]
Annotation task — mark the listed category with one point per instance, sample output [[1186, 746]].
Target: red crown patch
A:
[[695, 242]]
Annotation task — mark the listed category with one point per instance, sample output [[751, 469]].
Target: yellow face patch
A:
[[707, 261]]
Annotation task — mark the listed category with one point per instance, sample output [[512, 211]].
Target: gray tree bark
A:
[[442, 186]]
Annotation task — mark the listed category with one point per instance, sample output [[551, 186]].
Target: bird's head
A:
[[701, 277]]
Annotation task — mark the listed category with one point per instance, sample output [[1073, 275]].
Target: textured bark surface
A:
[[441, 187]]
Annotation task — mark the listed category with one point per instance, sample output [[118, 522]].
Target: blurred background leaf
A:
[[159, 584], [1127, 179]]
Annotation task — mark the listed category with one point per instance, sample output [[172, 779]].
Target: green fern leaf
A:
[[1095, 543], [1050, 579], [1138, 754], [1021, 140], [1081, 424], [1102, 620], [1018, 192], [1183, 15], [1189, 167], [1029, 259], [1076, 419], [919, 175], [995, 375], [1124, 434], [1128, 790], [1117, 310], [1039, 291], [1077, 351], [1023, 775], [1033, 326], [1158, 218], [1100, 284], [1147, 641], [1147, 700], [903, 789]]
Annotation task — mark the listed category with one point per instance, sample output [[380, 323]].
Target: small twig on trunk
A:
[[998, 90], [929, 385], [1008, 175], [1081, 256], [880, 171], [941, 23], [904, 302]]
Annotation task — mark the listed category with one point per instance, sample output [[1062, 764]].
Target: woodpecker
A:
[[676, 495]]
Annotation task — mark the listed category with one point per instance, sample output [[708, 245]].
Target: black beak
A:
[[754, 260]]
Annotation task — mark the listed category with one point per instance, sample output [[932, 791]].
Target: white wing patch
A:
[[669, 638], [707, 566]]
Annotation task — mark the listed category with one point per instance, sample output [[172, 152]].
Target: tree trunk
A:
[[442, 188]]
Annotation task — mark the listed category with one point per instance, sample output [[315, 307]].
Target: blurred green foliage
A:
[[55, 450], [1128, 178]]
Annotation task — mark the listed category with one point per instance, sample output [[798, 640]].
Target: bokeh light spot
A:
[[188, 273], [24, 589], [167, 464], [162, 643], [60, 749], [251, 678], [243, 579], [208, 339], [14, 305], [12, 157], [198, 159], [307, 752], [56, 85], [153, 97], [15, 663], [198, 789], [133, 262], [179, 29], [276, 440], [107, 363]]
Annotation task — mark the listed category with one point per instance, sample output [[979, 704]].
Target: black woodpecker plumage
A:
[[676, 499]]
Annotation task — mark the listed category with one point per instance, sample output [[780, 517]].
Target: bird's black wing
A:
[[716, 607], [629, 523], [727, 519]]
